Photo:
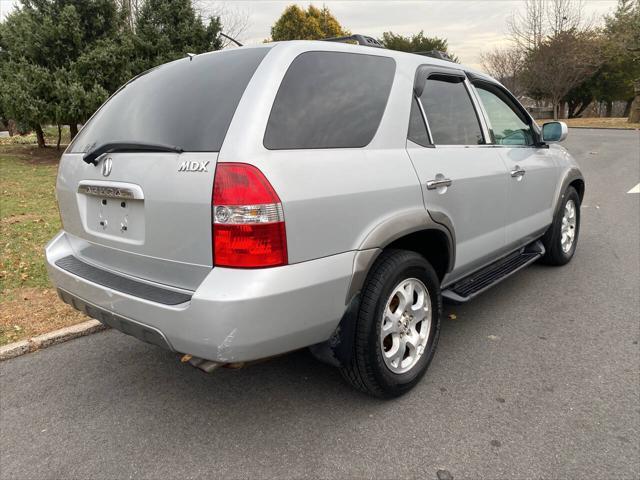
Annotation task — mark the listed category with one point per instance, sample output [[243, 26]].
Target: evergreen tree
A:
[[168, 29], [312, 24], [415, 43], [620, 49], [61, 59], [622, 66], [54, 61]]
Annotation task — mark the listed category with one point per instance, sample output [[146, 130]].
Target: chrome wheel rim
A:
[[406, 325], [568, 229]]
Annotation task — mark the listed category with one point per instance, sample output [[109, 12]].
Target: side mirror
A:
[[553, 132]]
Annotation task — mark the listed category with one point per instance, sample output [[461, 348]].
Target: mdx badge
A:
[[193, 166]]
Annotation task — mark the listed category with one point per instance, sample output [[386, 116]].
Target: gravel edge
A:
[[45, 340]]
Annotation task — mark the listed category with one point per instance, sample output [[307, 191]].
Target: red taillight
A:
[[248, 222]]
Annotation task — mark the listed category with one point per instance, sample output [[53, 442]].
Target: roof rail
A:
[[439, 54], [359, 39]]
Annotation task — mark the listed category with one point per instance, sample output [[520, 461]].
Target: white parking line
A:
[[635, 189]]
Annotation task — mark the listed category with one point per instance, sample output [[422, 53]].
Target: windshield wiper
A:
[[111, 147]]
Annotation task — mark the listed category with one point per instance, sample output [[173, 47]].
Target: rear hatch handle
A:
[[92, 156]]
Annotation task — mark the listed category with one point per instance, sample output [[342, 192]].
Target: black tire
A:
[[367, 370], [552, 239]]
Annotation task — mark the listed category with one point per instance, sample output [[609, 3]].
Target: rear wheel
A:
[[397, 326], [561, 239]]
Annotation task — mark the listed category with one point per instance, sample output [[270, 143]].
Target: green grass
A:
[[50, 136], [28, 219]]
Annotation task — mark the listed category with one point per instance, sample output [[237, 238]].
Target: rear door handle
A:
[[441, 182], [517, 172]]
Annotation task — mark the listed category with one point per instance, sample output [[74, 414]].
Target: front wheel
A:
[[561, 239], [397, 326]]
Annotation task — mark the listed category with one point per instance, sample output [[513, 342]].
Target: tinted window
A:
[[330, 100], [187, 103], [450, 113], [417, 127], [508, 126]]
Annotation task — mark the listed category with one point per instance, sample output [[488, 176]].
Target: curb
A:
[[621, 129], [47, 339]]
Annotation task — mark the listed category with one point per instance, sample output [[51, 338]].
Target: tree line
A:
[[314, 23], [61, 59], [560, 56]]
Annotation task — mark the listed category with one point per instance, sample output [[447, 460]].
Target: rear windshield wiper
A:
[[111, 147]]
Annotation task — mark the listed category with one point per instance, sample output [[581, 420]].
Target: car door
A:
[[461, 178], [532, 169]]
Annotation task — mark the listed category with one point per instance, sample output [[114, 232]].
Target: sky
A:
[[470, 27]]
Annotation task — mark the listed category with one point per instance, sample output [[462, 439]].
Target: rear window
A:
[[330, 100], [187, 103]]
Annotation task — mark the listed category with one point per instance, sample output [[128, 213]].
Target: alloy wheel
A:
[[568, 229], [406, 325]]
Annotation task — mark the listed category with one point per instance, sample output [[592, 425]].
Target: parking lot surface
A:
[[536, 378]]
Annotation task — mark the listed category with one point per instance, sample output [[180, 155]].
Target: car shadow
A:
[[111, 373]]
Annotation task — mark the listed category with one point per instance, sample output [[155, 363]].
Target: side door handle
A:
[[518, 172], [440, 182]]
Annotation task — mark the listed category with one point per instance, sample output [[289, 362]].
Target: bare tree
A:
[[561, 63], [540, 19], [566, 15], [506, 65], [234, 19], [527, 25], [556, 41]]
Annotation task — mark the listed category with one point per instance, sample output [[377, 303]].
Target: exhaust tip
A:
[[207, 366]]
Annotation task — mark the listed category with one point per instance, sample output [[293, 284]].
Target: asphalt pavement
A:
[[537, 378]]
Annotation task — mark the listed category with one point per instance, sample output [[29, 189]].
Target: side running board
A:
[[476, 283]]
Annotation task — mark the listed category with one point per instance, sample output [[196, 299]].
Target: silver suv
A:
[[236, 205]]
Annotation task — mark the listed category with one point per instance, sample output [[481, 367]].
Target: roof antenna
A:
[[191, 55], [230, 38]]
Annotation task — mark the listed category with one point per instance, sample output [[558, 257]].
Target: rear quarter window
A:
[[330, 100], [417, 128]]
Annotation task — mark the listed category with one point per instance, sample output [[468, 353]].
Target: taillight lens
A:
[[248, 222]]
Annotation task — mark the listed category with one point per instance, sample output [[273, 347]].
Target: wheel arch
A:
[[430, 243], [417, 231], [572, 178], [578, 184], [430, 234]]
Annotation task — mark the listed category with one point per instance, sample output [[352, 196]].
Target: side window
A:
[[450, 112], [508, 126], [417, 128], [330, 100]]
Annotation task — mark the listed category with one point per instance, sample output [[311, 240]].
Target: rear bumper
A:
[[234, 315]]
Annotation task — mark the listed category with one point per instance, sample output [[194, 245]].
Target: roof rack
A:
[[372, 42], [439, 54], [359, 39]]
